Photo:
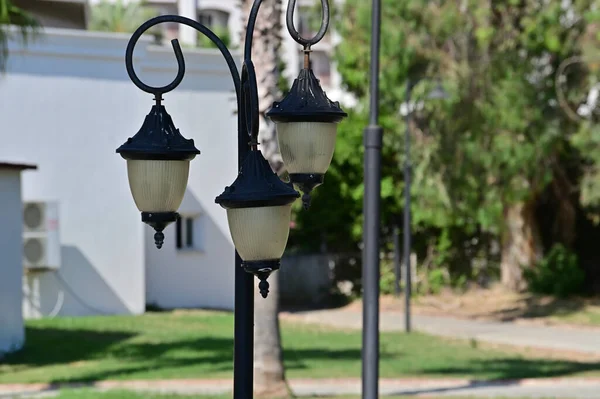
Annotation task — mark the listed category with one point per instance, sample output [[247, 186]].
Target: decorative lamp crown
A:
[[306, 102], [158, 139]]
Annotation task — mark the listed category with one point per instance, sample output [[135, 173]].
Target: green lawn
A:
[[199, 345], [588, 316], [83, 394]]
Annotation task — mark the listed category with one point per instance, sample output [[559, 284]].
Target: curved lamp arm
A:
[[157, 91], [246, 85]]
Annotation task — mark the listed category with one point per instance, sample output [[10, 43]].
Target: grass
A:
[[588, 316], [83, 394], [195, 344]]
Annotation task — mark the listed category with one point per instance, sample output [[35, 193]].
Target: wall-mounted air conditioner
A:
[[41, 241]]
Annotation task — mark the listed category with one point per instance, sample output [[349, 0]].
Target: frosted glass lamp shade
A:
[[306, 147], [157, 186], [260, 233]]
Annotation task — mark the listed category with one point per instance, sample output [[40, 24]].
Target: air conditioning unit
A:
[[41, 241]]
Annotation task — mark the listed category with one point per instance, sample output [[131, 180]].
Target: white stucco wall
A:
[[203, 109], [12, 333], [189, 279], [69, 104]]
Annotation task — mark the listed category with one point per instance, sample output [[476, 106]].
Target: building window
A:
[[205, 19], [304, 22], [309, 22], [320, 62], [218, 22], [188, 233], [213, 19]]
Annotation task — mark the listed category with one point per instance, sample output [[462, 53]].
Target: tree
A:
[[267, 61], [268, 359], [119, 16], [26, 24], [484, 158]]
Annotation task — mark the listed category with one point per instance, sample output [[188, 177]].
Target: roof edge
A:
[[18, 166]]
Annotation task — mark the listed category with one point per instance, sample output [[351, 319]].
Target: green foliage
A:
[[336, 208], [460, 284], [436, 281], [119, 16], [587, 141], [387, 281], [499, 139], [557, 274], [222, 32], [26, 25]]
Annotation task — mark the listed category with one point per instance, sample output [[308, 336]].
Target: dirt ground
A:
[[499, 305]]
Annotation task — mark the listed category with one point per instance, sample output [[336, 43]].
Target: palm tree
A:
[[119, 16], [267, 62], [13, 15], [268, 357]]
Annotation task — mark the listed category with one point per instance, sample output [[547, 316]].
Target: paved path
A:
[[568, 388], [557, 338]]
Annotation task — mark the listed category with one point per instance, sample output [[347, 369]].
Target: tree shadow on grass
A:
[[117, 355], [515, 368], [46, 346], [532, 306], [96, 355]]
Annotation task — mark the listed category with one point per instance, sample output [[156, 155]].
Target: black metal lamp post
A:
[[373, 141], [438, 93], [258, 203]]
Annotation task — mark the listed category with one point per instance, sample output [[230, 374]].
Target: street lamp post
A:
[[258, 203], [373, 140], [437, 93]]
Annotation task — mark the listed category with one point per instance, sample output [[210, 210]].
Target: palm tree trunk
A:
[[269, 371], [266, 57]]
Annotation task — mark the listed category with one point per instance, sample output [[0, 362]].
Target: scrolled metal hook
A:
[[325, 18], [158, 91]]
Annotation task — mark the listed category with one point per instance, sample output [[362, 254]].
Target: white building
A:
[[221, 16], [70, 100], [67, 103], [218, 14], [12, 333]]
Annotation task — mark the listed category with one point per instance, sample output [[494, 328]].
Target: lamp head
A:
[[158, 160], [306, 121], [259, 207]]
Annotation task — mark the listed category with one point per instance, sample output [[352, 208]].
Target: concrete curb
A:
[[327, 387]]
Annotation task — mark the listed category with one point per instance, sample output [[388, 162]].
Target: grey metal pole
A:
[[397, 261], [407, 185], [373, 137]]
